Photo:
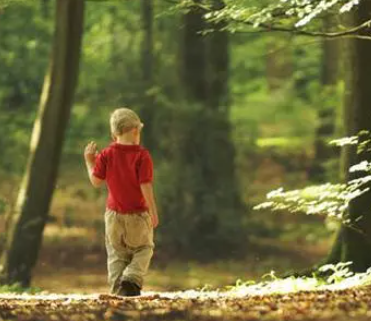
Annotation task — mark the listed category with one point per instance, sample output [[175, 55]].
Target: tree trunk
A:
[[209, 196], [355, 241], [194, 71], [45, 8], [218, 57], [30, 214], [323, 152], [147, 73]]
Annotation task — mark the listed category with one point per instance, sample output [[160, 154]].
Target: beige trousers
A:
[[129, 245]]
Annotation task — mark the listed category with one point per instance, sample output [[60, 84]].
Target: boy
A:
[[131, 213]]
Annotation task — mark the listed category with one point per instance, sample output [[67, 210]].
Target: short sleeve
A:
[[100, 167], [145, 172]]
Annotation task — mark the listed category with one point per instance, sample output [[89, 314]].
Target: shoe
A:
[[128, 288]]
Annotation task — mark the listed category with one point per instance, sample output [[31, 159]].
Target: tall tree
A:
[[208, 191], [330, 77], [354, 239], [147, 9], [28, 219], [45, 4]]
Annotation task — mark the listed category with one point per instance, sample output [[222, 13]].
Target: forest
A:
[[257, 117]]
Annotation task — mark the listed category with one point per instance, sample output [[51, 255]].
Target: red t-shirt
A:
[[124, 167]]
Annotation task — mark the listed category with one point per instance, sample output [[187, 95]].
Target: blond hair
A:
[[123, 120]]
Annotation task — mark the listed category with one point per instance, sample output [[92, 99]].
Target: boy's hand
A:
[[90, 152], [154, 219], [147, 191]]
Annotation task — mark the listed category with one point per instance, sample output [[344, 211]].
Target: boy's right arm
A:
[[89, 155], [147, 191]]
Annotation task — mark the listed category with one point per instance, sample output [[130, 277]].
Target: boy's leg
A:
[[138, 267], [139, 238], [116, 264], [118, 257]]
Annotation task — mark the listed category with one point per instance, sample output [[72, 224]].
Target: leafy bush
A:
[[297, 13], [16, 288], [2, 206], [331, 200], [340, 277]]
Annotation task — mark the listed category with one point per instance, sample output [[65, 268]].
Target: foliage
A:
[[23, 61], [331, 200], [340, 272], [2, 206], [284, 13], [328, 199], [353, 140], [6, 3], [16, 288], [340, 277]]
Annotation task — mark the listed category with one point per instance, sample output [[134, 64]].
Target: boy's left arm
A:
[[90, 153], [148, 194], [145, 181]]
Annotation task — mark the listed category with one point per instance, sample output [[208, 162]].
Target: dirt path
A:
[[354, 304], [63, 268]]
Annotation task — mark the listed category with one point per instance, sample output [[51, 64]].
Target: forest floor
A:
[[71, 286], [178, 290], [354, 304], [71, 266]]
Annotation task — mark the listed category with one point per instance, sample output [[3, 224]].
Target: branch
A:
[[351, 32]]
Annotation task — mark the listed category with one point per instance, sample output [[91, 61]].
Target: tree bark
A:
[[211, 205], [194, 72], [356, 240], [45, 8], [28, 219], [327, 113], [147, 7], [113, 43]]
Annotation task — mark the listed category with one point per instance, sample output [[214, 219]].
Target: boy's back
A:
[[125, 168]]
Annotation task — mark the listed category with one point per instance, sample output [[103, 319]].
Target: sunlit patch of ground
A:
[[324, 305]]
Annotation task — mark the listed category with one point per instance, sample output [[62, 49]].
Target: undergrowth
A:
[[339, 276]]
